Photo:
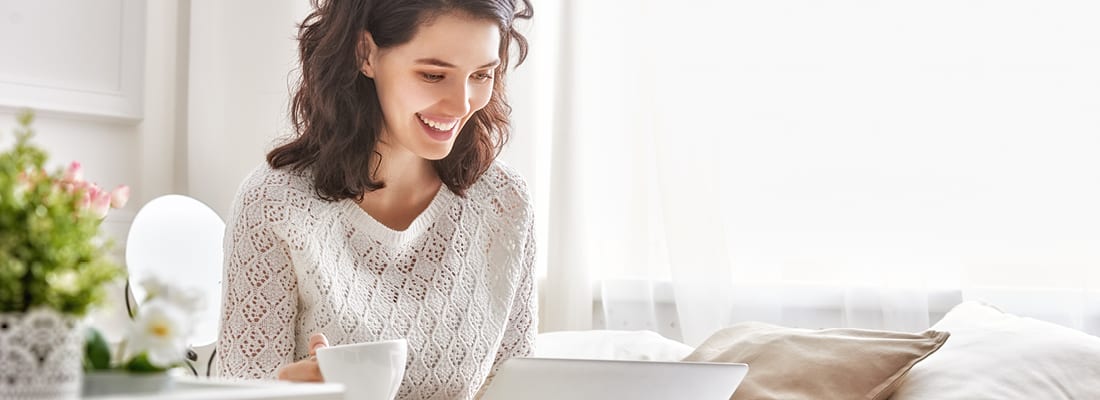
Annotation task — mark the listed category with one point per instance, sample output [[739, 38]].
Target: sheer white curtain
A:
[[846, 163]]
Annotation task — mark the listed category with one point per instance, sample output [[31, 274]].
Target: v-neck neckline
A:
[[440, 202]]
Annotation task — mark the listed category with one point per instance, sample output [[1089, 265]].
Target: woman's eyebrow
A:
[[440, 63]]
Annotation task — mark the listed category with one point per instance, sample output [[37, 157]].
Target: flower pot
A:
[[41, 353], [102, 383]]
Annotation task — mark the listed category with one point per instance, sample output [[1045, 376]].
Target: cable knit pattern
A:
[[458, 283]]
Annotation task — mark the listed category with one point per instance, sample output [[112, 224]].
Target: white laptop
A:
[[531, 378]]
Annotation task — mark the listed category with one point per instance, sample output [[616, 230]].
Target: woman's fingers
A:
[[306, 370], [316, 341], [302, 371]]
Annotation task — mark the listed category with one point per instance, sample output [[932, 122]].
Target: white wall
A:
[[80, 67], [242, 57], [164, 125], [102, 79]]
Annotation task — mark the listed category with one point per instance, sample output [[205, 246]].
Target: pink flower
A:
[[23, 185], [23, 181], [84, 202], [29, 178], [92, 199], [71, 187], [119, 196], [100, 202], [74, 174]]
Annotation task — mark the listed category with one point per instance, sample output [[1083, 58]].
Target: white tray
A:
[[191, 388]]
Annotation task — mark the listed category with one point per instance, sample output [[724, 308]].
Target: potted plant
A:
[[53, 268], [155, 342]]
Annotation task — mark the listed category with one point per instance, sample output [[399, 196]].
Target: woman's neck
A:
[[410, 185]]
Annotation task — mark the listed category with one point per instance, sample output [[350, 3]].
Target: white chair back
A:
[[179, 240]]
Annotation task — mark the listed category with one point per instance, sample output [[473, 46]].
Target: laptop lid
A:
[[531, 378]]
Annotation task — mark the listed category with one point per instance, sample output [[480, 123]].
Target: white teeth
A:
[[437, 125]]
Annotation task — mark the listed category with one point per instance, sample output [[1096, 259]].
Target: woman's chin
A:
[[437, 152]]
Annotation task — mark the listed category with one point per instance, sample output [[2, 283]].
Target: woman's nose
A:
[[457, 101]]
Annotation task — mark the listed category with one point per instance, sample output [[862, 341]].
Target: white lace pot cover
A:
[[41, 354]]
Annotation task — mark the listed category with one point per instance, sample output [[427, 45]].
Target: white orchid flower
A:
[[160, 331], [188, 300], [154, 288]]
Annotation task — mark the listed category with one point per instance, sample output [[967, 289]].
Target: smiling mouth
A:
[[438, 131], [437, 125]]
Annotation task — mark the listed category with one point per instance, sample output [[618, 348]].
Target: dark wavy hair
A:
[[336, 111]]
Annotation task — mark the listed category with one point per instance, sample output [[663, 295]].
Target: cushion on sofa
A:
[[791, 363], [994, 355]]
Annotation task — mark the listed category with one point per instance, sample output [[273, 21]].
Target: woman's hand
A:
[[306, 370]]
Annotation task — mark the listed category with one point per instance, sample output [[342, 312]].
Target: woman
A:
[[386, 216]]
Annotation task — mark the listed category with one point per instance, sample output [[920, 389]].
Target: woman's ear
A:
[[368, 53]]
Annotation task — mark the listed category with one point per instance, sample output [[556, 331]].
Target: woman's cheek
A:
[[481, 99]]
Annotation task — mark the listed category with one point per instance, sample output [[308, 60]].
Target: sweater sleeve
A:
[[519, 336], [259, 293]]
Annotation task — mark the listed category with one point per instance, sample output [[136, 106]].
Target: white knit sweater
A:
[[458, 283]]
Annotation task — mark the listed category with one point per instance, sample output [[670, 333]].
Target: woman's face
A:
[[430, 86]]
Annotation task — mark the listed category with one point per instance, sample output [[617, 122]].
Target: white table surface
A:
[[191, 388]]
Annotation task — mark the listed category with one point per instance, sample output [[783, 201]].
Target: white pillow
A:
[[610, 345], [994, 355]]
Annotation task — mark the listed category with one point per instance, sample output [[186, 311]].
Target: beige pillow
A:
[[789, 363]]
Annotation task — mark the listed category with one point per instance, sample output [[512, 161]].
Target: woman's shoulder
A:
[[503, 187], [501, 178], [266, 184], [264, 177]]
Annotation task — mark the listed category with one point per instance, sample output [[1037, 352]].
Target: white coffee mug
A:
[[368, 371]]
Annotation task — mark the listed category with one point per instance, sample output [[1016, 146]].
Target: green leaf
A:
[[141, 364], [97, 353]]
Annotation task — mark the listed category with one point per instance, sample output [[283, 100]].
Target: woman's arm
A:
[[519, 335], [259, 295]]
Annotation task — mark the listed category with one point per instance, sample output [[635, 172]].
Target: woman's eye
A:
[[481, 76], [432, 77]]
